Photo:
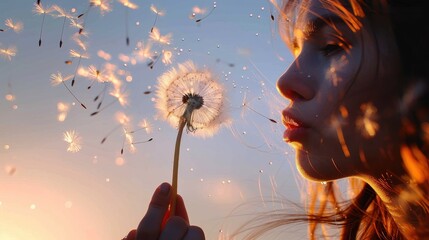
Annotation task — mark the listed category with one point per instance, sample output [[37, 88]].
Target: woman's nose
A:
[[295, 84]]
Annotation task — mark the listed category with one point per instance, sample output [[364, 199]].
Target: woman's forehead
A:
[[307, 12], [315, 9]]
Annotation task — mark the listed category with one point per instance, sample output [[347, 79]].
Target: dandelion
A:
[[61, 13], [103, 5], [75, 54], [15, 26], [158, 13], [128, 5], [129, 138], [78, 40], [76, 24], [213, 8], [58, 78], [8, 53], [190, 97], [145, 125], [156, 36], [153, 61], [124, 122], [92, 73], [245, 104], [120, 96], [74, 141], [40, 10], [143, 51], [197, 10]]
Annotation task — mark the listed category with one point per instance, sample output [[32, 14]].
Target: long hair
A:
[[364, 215]]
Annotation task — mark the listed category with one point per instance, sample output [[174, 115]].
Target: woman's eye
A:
[[331, 48]]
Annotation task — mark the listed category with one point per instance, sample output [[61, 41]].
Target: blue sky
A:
[[47, 190]]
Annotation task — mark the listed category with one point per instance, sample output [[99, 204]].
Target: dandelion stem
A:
[[41, 29], [75, 71], [68, 89], [182, 124], [127, 37], [62, 31], [154, 23], [200, 19]]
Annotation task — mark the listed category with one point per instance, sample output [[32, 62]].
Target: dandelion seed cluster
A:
[[73, 140], [187, 87]]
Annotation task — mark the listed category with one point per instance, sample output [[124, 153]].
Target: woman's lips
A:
[[296, 130], [296, 134]]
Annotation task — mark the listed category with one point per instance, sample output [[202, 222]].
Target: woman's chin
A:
[[314, 168]]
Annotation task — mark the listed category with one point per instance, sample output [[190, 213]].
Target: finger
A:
[[175, 229], [150, 226], [181, 209], [131, 235], [194, 233]]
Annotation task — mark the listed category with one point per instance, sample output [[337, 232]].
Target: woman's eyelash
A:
[[331, 48]]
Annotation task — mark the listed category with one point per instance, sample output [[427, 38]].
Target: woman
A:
[[358, 109]]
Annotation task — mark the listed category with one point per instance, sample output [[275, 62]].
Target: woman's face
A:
[[343, 96]]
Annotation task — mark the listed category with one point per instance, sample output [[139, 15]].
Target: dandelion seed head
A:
[[15, 26], [198, 10], [156, 36], [76, 54], [128, 4], [103, 5], [77, 38], [60, 12], [187, 87], [57, 78], [146, 125], [120, 95], [76, 24], [73, 140], [156, 11], [129, 138], [40, 10], [8, 53], [143, 51]]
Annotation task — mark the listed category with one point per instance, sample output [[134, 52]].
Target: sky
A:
[[87, 188]]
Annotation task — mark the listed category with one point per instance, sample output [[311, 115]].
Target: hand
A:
[[158, 225]]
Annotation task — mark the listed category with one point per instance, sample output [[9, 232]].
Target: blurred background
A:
[[67, 173]]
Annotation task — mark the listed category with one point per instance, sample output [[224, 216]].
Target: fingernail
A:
[[164, 188]]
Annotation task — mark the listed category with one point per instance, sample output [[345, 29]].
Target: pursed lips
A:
[[296, 130]]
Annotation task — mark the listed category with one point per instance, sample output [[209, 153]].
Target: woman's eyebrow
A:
[[317, 23]]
